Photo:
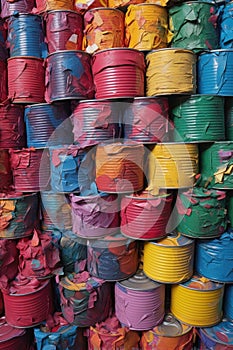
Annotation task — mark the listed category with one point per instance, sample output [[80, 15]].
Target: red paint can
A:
[[146, 120], [64, 30], [5, 170], [28, 302], [3, 84], [144, 216], [118, 72], [95, 121], [26, 79], [12, 128], [31, 169], [9, 255], [12, 7], [14, 339]]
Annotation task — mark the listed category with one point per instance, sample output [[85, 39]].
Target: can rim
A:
[[119, 48], [52, 11], [188, 243], [44, 284], [215, 50], [32, 194], [215, 287], [104, 8], [173, 49], [23, 58], [133, 196], [68, 52]]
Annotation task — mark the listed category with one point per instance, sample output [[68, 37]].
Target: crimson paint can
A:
[[12, 128]]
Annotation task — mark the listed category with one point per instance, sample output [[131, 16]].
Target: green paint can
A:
[[216, 165], [230, 208], [198, 118], [194, 25], [202, 213]]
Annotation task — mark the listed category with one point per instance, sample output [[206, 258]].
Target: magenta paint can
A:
[[64, 30], [12, 338], [12, 128], [15, 7]]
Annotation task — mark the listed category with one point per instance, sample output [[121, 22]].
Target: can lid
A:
[[202, 283], [139, 281], [221, 333], [8, 332], [174, 240], [171, 327]]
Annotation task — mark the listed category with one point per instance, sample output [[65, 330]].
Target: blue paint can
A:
[[215, 72], [65, 163], [48, 125], [228, 302], [26, 36], [69, 76], [225, 27], [214, 258], [218, 337]]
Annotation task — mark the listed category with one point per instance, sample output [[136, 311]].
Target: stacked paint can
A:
[[109, 117]]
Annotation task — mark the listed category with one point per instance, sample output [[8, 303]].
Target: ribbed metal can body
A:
[[215, 72], [197, 302], [225, 25], [5, 170], [228, 302], [198, 118], [169, 260], [217, 337]]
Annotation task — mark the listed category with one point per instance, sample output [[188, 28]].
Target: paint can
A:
[[95, 121], [109, 335], [112, 258], [3, 85], [170, 71], [68, 76], [12, 338], [65, 163], [197, 302], [169, 260], [216, 165], [118, 72], [217, 337], [48, 125], [139, 302], [11, 8], [56, 333], [103, 29], [172, 165], [25, 35], [201, 213], [214, 258], [28, 302], [146, 27], [30, 168], [5, 170], [119, 167], [215, 72], [73, 252], [19, 215], [85, 300], [146, 120], [4, 54], [198, 118], [12, 128], [229, 118], [55, 210], [9, 259], [194, 25], [50, 5], [170, 334], [39, 256], [228, 302], [26, 79], [144, 216], [64, 30], [229, 208], [225, 25], [95, 216]]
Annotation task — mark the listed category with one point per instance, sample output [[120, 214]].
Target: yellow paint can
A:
[[172, 165], [197, 302], [169, 260]]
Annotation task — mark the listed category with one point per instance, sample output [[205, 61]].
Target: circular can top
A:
[[202, 283], [171, 327], [8, 332], [16, 195], [146, 195], [139, 281], [174, 240], [221, 333]]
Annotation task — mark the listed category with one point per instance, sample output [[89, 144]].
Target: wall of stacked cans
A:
[[116, 165]]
